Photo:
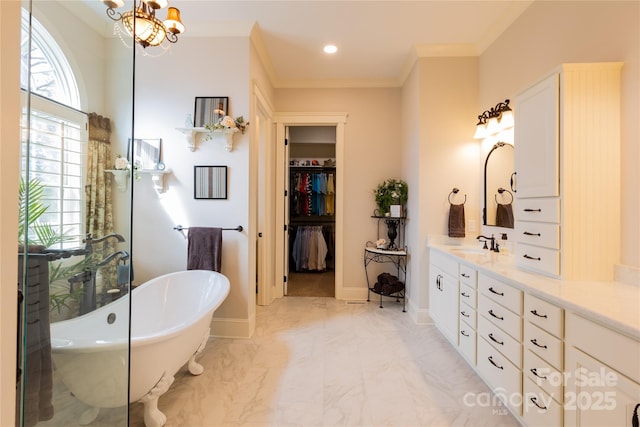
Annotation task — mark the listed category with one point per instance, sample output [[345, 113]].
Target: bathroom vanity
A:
[[555, 352]]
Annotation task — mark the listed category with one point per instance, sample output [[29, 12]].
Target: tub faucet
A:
[[492, 239], [124, 255], [89, 241]]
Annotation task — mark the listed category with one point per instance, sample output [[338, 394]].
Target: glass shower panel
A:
[[75, 233]]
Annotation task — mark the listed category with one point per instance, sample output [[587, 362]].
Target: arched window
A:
[[56, 131]]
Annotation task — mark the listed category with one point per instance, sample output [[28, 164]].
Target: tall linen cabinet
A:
[[567, 160]]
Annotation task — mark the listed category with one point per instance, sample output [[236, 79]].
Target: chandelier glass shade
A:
[[141, 22]]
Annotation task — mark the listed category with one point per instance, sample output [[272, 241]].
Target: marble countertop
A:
[[613, 304]]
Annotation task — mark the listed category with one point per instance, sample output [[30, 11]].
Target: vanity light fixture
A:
[[494, 120], [141, 22]]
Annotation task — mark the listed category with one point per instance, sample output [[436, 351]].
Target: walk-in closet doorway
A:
[[309, 163]]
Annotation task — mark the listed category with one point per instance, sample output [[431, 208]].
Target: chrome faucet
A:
[[89, 241], [494, 245]]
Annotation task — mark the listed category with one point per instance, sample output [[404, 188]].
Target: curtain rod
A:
[[181, 228]]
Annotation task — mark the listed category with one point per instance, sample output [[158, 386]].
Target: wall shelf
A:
[[191, 134], [121, 176]]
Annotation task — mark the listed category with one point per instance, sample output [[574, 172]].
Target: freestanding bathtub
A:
[[170, 318]]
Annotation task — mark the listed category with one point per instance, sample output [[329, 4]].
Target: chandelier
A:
[[141, 22], [494, 120]]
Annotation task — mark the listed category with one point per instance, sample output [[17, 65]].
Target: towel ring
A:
[[455, 191], [501, 191]]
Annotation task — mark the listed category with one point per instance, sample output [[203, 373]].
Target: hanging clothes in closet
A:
[[313, 193], [310, 249]]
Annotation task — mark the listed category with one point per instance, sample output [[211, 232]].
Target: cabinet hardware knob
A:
[[534, 342], [494, 363], [535, 313], [526, 233], [464, 313], [495, 315], [495, 340], [464, 294], [496, 292], [533, 210], [534, 371], [535, 402], [531, 257], [464, 333], [465, 275]]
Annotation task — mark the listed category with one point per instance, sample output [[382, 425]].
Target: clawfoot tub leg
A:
[[88, 416], [194, 367], [152, 415]]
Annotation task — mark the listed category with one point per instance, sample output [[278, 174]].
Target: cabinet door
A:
[[435, 294], [449, 307], [596, 395], [536, 140]]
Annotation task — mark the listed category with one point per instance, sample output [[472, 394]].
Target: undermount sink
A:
[[472, 251]]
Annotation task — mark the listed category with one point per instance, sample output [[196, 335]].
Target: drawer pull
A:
[[534, 371], [533, 210], [464, 333], [535, 402], [530, 257], [495, 315], [535, 313], [534, 342], [495, 340], [496, 292], [466, 276], [526, 233], [464, 294], [464, 313], [494, 363]]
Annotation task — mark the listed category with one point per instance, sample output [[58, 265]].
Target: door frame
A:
[[282, 120]]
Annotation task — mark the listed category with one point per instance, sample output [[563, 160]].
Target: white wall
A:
[[550, 33], [372, 153]]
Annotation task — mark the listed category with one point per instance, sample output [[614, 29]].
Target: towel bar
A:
[[181, 228]]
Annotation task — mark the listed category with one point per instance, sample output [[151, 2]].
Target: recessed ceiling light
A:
[[330, 48]]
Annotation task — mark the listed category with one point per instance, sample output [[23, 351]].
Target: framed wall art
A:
[[210, 110], [210, 182]]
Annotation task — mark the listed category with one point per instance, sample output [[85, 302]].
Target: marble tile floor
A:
[[323, 362]]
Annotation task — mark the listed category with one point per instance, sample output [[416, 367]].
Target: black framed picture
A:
[[210, 182], [209, 110], [146, 153]]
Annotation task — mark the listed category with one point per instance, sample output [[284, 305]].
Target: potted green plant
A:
[[391, 192]]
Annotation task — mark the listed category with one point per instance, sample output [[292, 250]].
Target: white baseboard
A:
[[419, 315], [232, 328], [353, 294]]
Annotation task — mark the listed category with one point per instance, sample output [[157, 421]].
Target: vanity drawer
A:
[[543, 375], [498, 372], [467, 343], [538, 408], [543, 344], [500, 292], [506, 320], [538, 233], [543, 314], [540, 259], [500, 340], [468, 276], [468, 296], [468, 315], [543, 209]]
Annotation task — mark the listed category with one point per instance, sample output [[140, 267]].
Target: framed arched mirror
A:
[[498, 186]]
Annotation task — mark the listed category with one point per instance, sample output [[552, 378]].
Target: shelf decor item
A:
[[390, 192]]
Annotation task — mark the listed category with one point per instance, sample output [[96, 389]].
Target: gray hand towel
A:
[[504, 215], [456, 220], [204, 248]]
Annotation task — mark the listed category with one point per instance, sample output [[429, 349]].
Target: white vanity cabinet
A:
[[603, 374], [566, 211], [499, 345], [443, 294], [543, 391]]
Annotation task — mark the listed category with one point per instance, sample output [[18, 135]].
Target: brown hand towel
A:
[[204, 248], [504, 215], [456, 220]]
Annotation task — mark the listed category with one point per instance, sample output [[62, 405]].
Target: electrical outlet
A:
[[471, 225]]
